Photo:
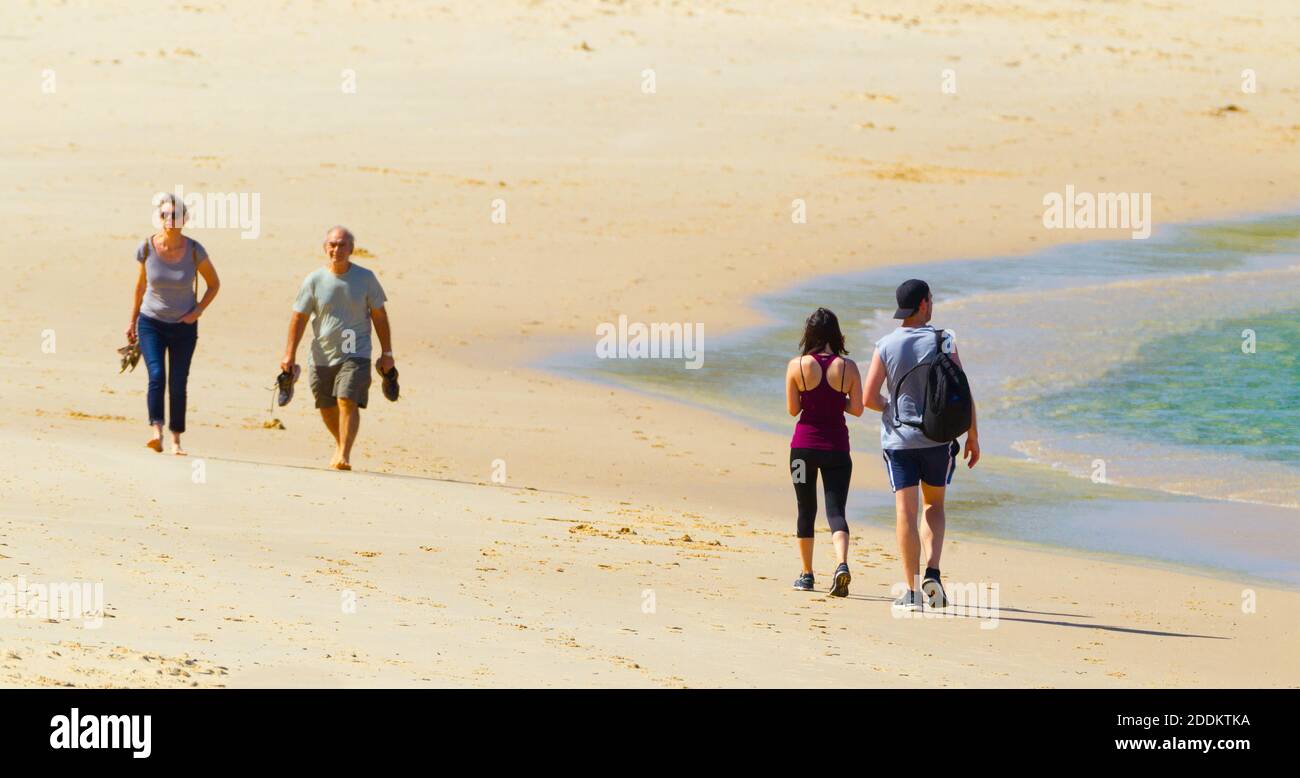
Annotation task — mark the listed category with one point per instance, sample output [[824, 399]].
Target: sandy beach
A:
[[634, 541]]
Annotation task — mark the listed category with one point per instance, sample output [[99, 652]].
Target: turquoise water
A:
[[1116, 356], [1202, 390]]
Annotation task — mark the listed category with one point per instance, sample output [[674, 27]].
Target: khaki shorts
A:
[[349, 379]]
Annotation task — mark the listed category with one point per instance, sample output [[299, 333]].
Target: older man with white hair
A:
[[341, 299]]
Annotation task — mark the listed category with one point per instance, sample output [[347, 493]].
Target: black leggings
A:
[[836, 468]]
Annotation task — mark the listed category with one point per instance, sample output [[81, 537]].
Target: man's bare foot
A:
[[155, 444], [177, 451], [341, 466]]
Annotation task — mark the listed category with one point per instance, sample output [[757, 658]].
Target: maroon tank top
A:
[[821, 423]]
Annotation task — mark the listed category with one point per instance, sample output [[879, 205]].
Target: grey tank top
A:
[[900, 351], [169, 289]]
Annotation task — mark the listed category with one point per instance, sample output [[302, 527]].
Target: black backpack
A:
[[946, 401]]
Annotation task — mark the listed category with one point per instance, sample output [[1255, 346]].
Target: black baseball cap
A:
[[911, 293]]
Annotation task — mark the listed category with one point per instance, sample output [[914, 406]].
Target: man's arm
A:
[[385, 332], [872, 399], [297, 325], [972, 447], [972, 454]]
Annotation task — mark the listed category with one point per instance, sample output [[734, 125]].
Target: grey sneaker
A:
[[907, 602], [935, 597], [840, 583], [804, 582], [391, 390]]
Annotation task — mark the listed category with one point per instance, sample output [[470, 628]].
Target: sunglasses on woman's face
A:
[[167, 216]]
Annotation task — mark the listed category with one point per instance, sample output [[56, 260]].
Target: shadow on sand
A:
[[996, 614]]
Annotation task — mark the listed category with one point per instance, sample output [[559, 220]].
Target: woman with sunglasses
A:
[[165, 311]]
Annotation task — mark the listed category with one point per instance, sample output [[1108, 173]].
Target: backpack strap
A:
[[893, 397], [893, 393]]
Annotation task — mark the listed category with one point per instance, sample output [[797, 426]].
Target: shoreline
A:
[[766, 303]]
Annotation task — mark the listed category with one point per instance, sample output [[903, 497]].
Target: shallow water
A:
[[1104, 372]]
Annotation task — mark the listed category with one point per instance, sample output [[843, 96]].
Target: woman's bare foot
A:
[[341, 466], [156, 443]]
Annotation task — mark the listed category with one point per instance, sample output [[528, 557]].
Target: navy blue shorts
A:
[[909, 466]]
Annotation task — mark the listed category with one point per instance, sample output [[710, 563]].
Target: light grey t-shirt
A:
[[902, 350], [340, 307], [169, 288]]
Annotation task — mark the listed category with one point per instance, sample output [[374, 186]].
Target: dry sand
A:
[[668, 206]]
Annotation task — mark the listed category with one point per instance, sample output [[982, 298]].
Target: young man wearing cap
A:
[[912, 459]]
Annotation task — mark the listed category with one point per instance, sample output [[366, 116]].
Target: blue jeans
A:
[[178, 342]]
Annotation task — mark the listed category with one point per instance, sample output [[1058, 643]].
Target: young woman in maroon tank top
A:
[[821, 385]]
